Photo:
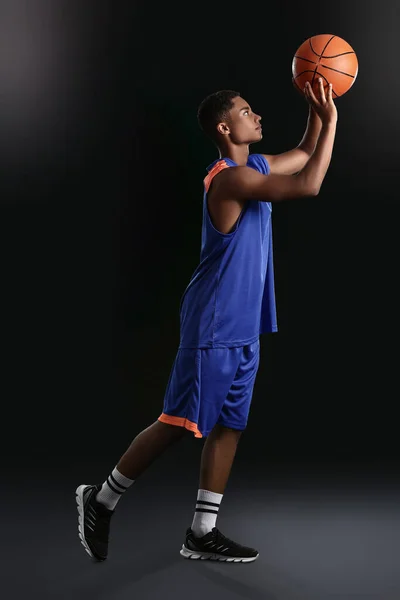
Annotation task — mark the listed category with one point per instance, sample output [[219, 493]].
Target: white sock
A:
[[113, 488], [206, 512]]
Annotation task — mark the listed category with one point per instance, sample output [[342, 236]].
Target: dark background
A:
[[102, 163]]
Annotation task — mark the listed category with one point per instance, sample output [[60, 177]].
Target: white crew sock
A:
[[113, 488], [206, 512]]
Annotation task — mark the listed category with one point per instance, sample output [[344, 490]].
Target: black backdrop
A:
[[102, 166]]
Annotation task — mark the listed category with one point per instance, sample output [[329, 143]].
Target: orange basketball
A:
[[327, 56]]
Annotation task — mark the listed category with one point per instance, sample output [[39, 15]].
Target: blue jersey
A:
[[230, 299]]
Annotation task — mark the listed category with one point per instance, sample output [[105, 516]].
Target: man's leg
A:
[[96, 503], [147, 446], [203, 539], [216, 462], [217, 458]]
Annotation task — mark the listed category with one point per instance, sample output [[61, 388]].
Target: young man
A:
[[228, 303]]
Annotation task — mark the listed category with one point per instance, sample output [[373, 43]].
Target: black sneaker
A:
[[94, 521], [215, 546]]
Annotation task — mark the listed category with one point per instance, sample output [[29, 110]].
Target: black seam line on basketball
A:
[[206, 510], [312, 49], [116, 482], [326, 45], [207, 502], [313, 77], [305, 59], [113, 488], [305, 71], [341, 54], [322, 53], [336, 70]]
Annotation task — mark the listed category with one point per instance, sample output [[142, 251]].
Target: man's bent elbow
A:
[[314, 191], [306, 186]]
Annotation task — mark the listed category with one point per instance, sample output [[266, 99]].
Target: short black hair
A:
[[214, 109]]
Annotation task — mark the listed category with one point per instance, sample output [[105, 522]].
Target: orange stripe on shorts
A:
[[180, 422]]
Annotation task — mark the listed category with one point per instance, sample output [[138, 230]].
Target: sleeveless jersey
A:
[[230, 299]]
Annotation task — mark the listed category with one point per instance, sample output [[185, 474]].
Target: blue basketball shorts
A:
[[211, 385]]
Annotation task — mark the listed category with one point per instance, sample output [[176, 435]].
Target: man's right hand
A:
[[324, 106]]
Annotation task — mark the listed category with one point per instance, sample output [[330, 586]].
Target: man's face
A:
[[243, 125]]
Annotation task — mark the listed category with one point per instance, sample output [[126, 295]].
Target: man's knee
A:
[[175, 431]]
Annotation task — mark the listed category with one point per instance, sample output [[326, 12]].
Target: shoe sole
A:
[[193, 555], [81, 512]]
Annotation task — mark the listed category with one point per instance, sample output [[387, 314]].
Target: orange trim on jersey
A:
[[222, 164], [180, 422]]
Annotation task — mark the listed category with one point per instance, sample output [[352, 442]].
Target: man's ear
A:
[[223, 128]]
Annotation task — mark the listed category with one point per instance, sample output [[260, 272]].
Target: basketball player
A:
[[228, 303]]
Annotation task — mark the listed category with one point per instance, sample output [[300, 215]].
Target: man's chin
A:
[[259, 137]]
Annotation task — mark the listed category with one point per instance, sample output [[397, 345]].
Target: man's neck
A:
[[239, 154]]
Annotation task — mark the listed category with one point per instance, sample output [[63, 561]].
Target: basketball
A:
[[327, 56]]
